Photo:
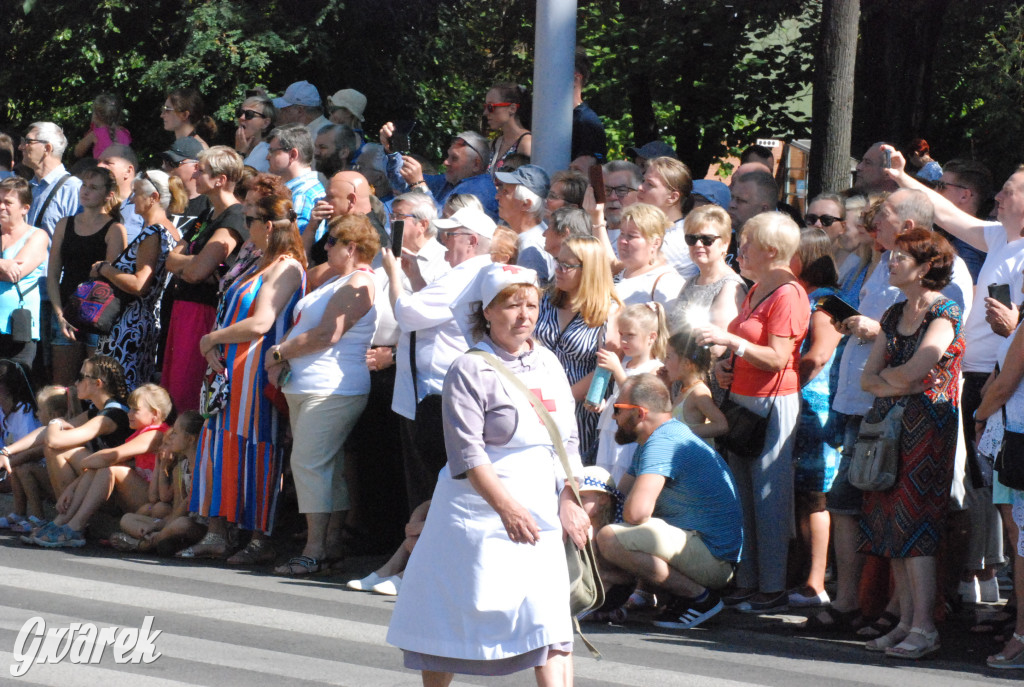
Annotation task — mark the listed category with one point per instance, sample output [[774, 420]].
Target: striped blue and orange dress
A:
[[240, 455]]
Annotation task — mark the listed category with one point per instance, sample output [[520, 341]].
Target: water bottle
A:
[[598, 387]]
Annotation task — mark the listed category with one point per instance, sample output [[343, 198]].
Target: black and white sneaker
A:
[[686, 614]]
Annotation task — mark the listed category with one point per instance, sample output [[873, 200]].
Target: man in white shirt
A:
[[431, 340], [521, 204]]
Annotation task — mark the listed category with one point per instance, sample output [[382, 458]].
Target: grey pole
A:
[[553, 69]]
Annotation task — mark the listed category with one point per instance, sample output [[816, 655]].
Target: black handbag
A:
[[1010, 460], [747, 430]]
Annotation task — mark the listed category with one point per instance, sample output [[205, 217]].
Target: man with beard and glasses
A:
[[682, 527]]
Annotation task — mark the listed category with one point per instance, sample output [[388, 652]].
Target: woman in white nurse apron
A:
[[486, 591]]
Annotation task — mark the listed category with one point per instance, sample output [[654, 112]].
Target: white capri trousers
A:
[[320, 425]]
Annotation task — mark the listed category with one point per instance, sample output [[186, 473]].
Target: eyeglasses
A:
[[626, 406], [446, 234], [25, 141], [169, 109], [491, 107], [554, 196], [249, 114], [332, 241], [618, 191], [249, 220], [826, 220], [82, 376], [463, 143], [900, 256], [402, 215], [276, 150], [941, 185], [705, 239], [567, 266]]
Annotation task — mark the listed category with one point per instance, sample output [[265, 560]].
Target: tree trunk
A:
[[832, 101]]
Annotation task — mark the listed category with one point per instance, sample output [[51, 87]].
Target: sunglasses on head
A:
[[705, 239], [491, 107], [246, 114], [826, 220]]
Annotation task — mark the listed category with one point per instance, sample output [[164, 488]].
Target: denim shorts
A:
[[844, 498], [91, 340]]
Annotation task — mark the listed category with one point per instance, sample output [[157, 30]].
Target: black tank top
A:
[[77, 255]]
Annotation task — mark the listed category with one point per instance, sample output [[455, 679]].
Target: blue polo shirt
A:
[[699, 493], [481, 186]]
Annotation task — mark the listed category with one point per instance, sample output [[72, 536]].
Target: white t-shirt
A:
[[1002, 266], [663, 281]]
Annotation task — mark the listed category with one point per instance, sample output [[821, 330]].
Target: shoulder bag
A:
[[876, 455], [586, 592], [96, 305], [21, 317], [1010, 459], [747, 430]]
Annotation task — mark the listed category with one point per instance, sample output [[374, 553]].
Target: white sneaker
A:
[[366, 584], [388, 586], [989, 591], [970, 593]]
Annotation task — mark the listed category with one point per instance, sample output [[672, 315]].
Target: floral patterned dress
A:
[[134, 337], [907, 520]]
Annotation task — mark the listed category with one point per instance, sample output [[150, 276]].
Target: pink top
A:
[[784, 313], [145, 463], [102, 134]]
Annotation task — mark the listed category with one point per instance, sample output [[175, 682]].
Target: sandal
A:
[[883, 625], [123, 542], [307, 565], [910, 649], [838, 621], [256, 552], [888, 641], [1001, 661], [27, 525], [210, 546], [60, 536], [11, 519], [995, 623]]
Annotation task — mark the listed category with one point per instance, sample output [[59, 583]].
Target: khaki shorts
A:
[[681, 549]]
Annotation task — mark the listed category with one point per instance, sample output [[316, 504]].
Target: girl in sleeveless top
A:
[[690, 366], [507, 109]]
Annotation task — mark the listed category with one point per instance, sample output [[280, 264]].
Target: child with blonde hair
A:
[[120, 473], [642, 336], [164, 524]]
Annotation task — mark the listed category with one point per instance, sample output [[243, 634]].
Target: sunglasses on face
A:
[[250, 220], [491, 107], [245, 114], [332, 241], [705, 239], [567, 266], [625, 406], [461, 143], [82, 376], [826, 220], [941, 185]]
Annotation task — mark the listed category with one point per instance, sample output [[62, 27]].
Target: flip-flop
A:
[[882, 626], [307, 564]]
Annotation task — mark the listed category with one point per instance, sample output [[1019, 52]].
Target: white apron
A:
[[470, 592]]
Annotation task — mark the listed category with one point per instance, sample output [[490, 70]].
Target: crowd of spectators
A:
[[327, 317]]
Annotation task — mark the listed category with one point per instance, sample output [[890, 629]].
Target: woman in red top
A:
[[762, 374]]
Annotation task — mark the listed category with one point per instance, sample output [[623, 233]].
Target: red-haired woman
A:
[[238, 468]]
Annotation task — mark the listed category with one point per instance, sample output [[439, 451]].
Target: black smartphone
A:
[[887, 159], [399, 141], [397, 232], [596, 174], [1001, 292], [837, 308]]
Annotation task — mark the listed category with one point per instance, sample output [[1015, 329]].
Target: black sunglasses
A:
[[246, 114], [249, 220], [705, 239], [826, 220]]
